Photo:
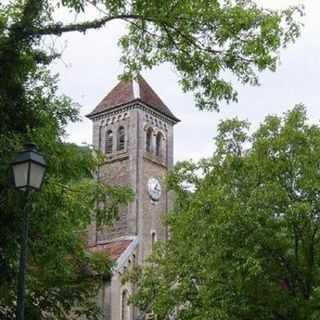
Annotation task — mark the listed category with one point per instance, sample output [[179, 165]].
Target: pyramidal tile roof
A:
[[127, 91]]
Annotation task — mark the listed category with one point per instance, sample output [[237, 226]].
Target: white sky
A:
[[90, 68]]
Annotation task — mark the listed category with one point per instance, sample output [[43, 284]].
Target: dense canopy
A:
[[244, 236], [206, 41]]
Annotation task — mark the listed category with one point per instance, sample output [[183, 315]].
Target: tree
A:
[[244, 236], [63, 277], [205, 41]]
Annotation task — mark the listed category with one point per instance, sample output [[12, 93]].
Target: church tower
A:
[[134, 129]]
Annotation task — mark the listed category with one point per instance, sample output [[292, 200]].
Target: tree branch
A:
[[59, 28]]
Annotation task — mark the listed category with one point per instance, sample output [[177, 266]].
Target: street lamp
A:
[[28, 169]]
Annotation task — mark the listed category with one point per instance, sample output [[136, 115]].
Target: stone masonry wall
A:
[[115, 173], [153, 211]]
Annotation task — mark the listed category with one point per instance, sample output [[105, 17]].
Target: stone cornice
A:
[[134, 105]]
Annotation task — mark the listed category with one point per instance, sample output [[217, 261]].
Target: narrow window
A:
[[134, 260], [158, 144], [149, 140], [124, 305], [109, 141], [121, 138], [153, 240], [100, 139]]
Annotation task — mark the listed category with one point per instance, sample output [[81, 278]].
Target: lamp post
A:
[[28, 169]]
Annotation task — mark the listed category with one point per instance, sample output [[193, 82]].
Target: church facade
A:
[[134, 129]]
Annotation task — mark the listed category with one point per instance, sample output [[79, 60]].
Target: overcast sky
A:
[[90, 68]]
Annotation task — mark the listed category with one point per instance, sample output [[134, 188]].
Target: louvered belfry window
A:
[[149, 140], [121, 139], [158, 144], [109, 141]]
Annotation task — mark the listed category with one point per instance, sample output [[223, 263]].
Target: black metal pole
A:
[[23, 260]]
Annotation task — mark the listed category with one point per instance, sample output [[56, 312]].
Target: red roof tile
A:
[[113, 249], [123, 93]]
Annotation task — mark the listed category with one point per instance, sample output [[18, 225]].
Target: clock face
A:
[[154, 188]]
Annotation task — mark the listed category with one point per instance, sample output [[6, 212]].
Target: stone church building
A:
[[134, 128]]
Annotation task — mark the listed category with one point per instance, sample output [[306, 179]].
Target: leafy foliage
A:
[[244, 244], [63, 276], [206, 41]]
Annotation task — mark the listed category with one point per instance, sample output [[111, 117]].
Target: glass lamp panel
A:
[[36, 175], [20, 173]]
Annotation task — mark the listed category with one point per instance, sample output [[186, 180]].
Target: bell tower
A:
[[134, 129]]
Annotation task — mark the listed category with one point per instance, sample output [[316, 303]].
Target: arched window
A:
[[121, 138], [109, 142], [159, 144], [124, 305], [149, 140]]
